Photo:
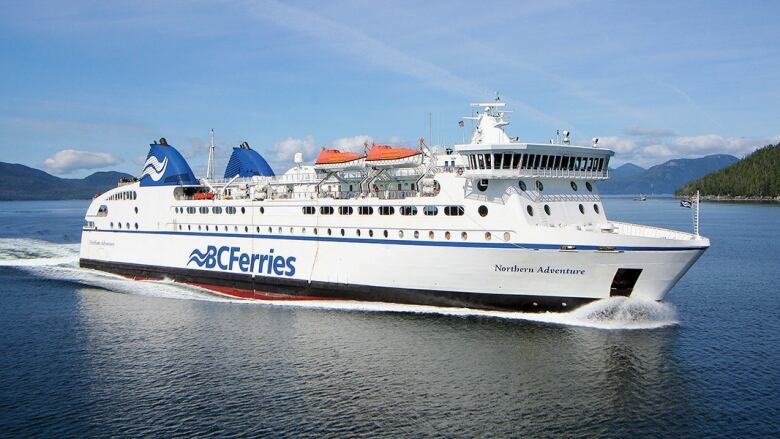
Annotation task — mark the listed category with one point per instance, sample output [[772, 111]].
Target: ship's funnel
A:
[[165, 166], [246, 162]]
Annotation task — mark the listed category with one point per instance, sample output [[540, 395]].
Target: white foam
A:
[[60, 261]]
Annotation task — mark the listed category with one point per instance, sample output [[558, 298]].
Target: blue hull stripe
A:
[[507, 245]]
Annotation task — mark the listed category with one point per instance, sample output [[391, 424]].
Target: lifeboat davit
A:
[[335, 160], [383, 156]]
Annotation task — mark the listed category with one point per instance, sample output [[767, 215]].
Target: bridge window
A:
[[102, 210], [488, 161], [507, 162], [326, 210], [430, 210], [365, 210], [516, 160], [481, 161]]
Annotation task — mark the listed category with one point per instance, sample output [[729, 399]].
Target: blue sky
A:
[[86, 85]]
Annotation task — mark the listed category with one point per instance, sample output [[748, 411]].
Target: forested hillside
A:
[[757, 175]]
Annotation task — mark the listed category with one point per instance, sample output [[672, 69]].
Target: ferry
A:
[[494, 223]]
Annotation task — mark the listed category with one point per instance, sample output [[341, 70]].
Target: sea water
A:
[[91, 354]]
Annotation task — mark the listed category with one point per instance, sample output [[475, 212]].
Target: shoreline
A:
[[730, 199]]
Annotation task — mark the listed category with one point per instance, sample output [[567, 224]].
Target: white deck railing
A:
[[650, 231]]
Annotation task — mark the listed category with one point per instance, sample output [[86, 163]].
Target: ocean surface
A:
[[90, 354]]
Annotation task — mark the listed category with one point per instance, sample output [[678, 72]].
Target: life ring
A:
[[376, 188], [460, 171]]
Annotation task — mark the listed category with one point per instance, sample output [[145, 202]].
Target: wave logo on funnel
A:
[[154, 168]]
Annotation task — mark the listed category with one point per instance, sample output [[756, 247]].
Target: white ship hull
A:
[[476, 274]]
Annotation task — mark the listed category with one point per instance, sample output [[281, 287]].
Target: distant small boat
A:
[[641, 198]]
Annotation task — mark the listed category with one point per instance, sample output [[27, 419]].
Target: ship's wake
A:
[[60, 262]]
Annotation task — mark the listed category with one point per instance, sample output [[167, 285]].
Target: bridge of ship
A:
[[534, 160]]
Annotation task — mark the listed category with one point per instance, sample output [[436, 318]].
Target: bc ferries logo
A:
[[154, 168], [228, 258]]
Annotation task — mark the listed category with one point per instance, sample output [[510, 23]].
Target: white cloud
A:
[[284, 151], [69, 160], [354, 143], [647, 150]]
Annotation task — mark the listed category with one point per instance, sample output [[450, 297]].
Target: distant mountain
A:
[[665, 178], [19, 182], [757, 175], [627, 170]]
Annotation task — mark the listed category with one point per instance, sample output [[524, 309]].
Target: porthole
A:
[[539, 185], [588, 186], [506, 236], [136, 209], [482, 185], [370, 232], [179, 226], [198, 228], [246, 229], [119, 225], [315, 230], [431, 235], [488, 237], [547, 209], [522, 185], [573, 186], [329, 232], [280, 230], [464, 236], [262, 210], [400, 233], [483, 210], [447, 235], [342, 232], [530, 210], [257, 229], [291, 231], [357, 232], [207, 228], [189, 227], [243, 210], [385, 233], [582, 209], [596, 208], [270, 230], [303, 230], [112, 224], [416, 234]]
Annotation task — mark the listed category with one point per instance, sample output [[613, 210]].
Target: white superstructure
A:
[[494, 223]]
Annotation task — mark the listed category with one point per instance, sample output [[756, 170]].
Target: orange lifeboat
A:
[[203, 196], [387, 156], [333, 159]]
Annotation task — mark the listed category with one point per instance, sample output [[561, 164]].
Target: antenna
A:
[[210, 164]]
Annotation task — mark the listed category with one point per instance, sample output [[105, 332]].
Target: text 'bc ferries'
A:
[[494, 223]]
